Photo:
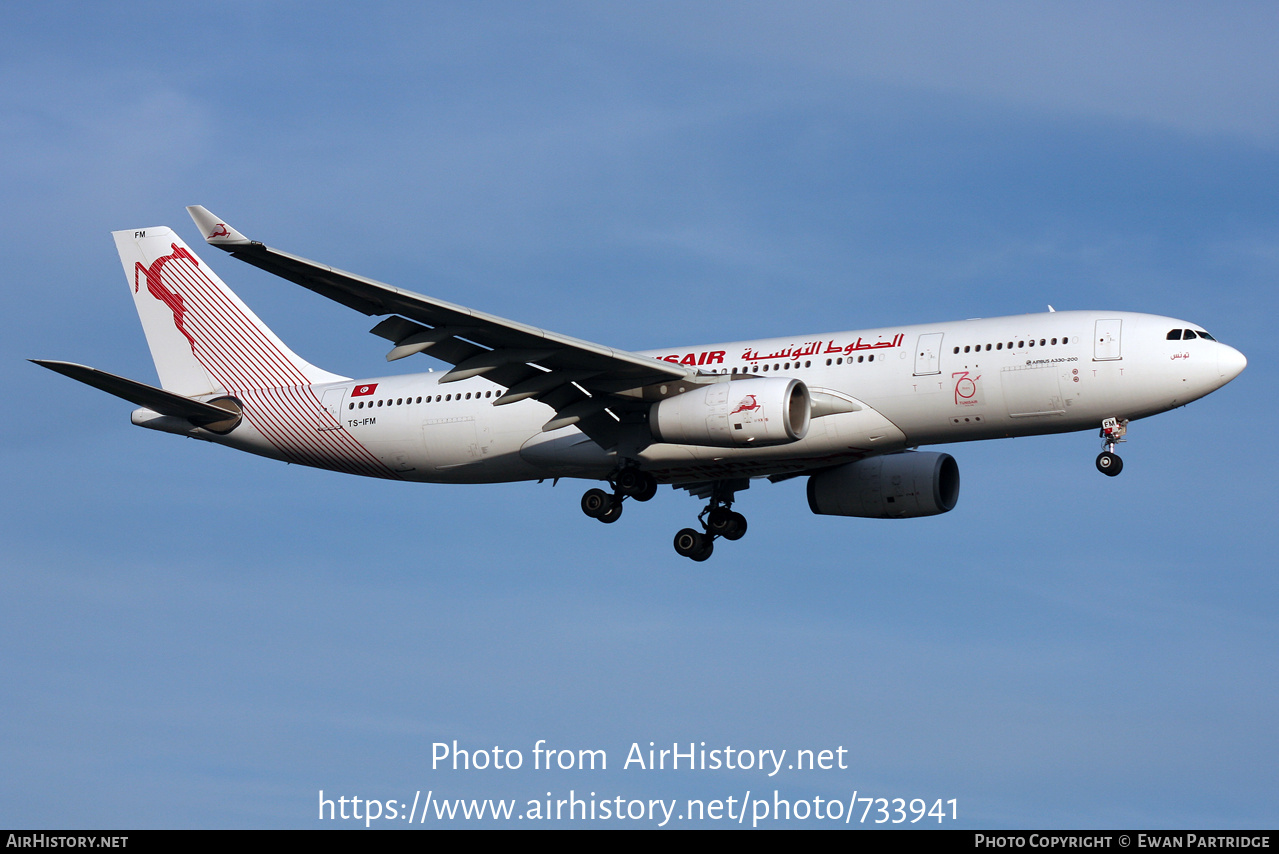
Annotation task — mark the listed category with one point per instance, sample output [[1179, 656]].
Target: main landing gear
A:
[[1112, 433], [717, 520], [630, 482]]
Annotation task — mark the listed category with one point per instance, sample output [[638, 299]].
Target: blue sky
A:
[[196, 638]]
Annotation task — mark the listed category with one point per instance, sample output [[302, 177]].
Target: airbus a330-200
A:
[[847, 410]]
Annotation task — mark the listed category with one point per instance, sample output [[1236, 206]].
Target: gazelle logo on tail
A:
[[220, 231], [203, 338], [157, 288]]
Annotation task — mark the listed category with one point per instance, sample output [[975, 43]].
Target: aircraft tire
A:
[[738, 528], [612, 514], [1109, 464], [693, 544], [720, 521], [596, 502], [649, 490], [636, 484]]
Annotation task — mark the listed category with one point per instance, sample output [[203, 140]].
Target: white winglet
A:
[[215, 231]]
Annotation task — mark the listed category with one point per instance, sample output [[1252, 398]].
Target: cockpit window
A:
[[1203, 334], [1174, 335]]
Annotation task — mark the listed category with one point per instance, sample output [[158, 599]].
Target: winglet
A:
[[216, 232]]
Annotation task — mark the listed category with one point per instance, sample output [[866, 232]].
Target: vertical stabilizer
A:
[[203, 339]]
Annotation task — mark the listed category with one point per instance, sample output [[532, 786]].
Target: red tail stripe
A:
[[245, 361]]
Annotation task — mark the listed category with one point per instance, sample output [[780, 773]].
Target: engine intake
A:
[[734, 414], [893, 486]]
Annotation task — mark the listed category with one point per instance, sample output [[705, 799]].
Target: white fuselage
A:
[[891, 388]]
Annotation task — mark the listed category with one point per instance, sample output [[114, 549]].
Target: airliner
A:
[[847, 410]]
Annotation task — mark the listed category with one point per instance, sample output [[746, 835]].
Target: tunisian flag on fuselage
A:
[[362, 390]]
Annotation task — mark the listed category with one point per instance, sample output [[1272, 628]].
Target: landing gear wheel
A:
[[647, 493], [636, 484], [722, 522], [739, 528], [597, 502], [612, 514], [693, 544], [719, 521], [1109, 464]]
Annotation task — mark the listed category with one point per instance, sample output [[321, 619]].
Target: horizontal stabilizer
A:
[[155, 399]]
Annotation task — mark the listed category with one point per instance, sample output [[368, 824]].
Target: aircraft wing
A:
[[529, 362]]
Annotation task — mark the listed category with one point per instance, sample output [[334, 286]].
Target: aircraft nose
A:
[[1230, 363]]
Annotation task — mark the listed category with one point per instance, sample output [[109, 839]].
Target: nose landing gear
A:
[[1112, 433]]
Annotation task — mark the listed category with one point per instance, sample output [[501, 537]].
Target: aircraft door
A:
[[1106, 340], [330, 417], [452, 441], [1032, 390], [928, 354]]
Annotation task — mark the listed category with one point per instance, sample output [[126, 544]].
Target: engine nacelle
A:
[[735, 414], [893, 486]]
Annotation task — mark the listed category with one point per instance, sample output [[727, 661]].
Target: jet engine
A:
[[735, 414], [893, 486]]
